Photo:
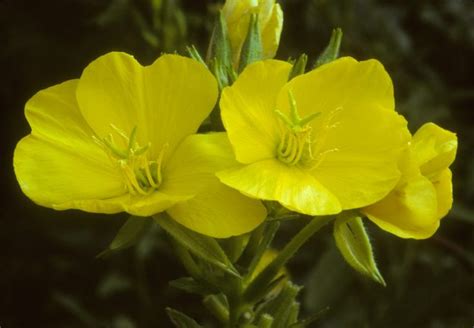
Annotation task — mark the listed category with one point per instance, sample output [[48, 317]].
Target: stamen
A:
[[296, 145], [141, 175]]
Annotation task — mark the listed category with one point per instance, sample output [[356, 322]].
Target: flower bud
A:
[[237, 14]]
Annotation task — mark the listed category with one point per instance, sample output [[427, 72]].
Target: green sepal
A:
[[299, 66], [194, 54], [204, 247], [354, 245], [220, 72], [219, 46], [128, 234], [252, 50], [331, 52], [190, 285], [181, 320]]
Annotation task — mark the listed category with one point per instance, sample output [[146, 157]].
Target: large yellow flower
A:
[[424, 194], [121, 138], [270, 21], [323, 142]]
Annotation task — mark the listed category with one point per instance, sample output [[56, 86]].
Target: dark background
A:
[[49, 276]]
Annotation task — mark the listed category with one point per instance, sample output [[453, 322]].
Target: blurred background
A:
[[49, 276]]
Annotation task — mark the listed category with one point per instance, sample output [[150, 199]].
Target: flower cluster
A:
[[124, 137], [230, 146]]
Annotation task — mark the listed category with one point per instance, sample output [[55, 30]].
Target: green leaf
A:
[[354, 245], [190, 285], [204, 247], [254, 290], [265, 321], [293, 315], [311, 319], [128, 234], [252, 47], [281, 307], [181, 320], [331, 52], [299, 66], [269, 233], [217, 305], [235, 246]]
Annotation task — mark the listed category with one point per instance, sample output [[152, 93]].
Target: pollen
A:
[[141, 175]]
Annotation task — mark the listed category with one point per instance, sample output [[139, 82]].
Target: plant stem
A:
[[265, 277]]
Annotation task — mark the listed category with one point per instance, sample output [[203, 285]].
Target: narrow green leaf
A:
[[331, 52], [281, 307], [204, 247], [299, 67], [269, 233], [128, 234], [190, 285], [181, 320], [262, 280], [311, 319], [293, 315], [235, 246], [354, 245], [252, 47], [265, 321], [217, 307]]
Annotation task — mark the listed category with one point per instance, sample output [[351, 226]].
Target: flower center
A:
[[296, 144], [141, 175]]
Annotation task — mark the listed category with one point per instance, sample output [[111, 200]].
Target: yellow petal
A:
[[271, 32], [344, 83], [166, 101], [292, 187], [216, 210], [444, 190], [59, 161], [409, 211], [219, 211], [247, 109], [362, 168], [52, 174], [135, 205], [358, 137], [194, 163], [435, 148]]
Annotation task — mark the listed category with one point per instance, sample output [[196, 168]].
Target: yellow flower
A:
[[424, 194], [326, 141], [270, 18], [121, 138]]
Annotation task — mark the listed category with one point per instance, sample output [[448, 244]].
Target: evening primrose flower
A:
[[424, 194], [270, 21], [326, 141], [122, 138]]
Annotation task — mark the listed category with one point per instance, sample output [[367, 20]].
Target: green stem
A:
[[265, 277]]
